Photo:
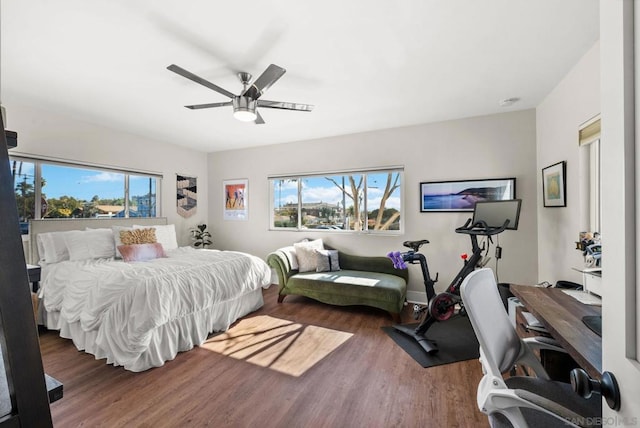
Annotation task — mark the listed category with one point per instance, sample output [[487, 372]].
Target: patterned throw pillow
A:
[[138, 236], [327, 260], [165, 234]]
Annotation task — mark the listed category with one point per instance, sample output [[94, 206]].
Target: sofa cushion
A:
[[347, 286]]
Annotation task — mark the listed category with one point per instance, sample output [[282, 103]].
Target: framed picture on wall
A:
[[554, 185], [462, 195], [236, 199]]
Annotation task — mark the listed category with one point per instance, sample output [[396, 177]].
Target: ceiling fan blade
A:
[[189, 75], [259, 120], [209, 105], [264, 82], [285, 105]]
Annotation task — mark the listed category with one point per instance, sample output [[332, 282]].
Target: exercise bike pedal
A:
[[417, 311]]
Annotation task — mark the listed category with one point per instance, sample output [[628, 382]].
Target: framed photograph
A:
[[554, 186], [462, 195], [236, 199]]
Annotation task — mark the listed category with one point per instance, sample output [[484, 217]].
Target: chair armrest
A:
[[371, 264], [538, 343], [527, 358]]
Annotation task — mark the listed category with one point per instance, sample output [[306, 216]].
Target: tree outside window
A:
[[369, 201]]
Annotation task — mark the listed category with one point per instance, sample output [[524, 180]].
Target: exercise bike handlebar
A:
[[481, 228]]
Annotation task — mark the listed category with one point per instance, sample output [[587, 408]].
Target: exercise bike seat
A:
[[415, 245]]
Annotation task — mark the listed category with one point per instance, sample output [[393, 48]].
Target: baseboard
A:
[[417, 297]]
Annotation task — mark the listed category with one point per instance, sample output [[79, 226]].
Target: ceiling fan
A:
[[245, 106]]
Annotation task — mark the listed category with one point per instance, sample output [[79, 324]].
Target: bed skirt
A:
[[178, 335]]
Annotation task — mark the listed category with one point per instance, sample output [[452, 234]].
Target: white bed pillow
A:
[[54, 247], [165, 235], [107, 231], [90, 244], [306, 255], [40, 247], [116, 238]]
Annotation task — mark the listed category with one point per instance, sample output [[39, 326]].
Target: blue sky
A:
[[83, 183]]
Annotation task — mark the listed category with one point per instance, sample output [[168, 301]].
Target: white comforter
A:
[[130, 309]]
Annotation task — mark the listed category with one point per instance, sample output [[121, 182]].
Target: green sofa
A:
[[361, 280]]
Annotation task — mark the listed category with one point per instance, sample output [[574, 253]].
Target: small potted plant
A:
[[201, 236]]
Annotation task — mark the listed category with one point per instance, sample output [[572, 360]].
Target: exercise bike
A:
[[443, 306]]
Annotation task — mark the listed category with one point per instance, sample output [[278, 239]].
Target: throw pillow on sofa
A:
[[327, 260], [305, 253]]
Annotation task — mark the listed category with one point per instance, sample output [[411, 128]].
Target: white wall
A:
[[482, 147], [45, 133], [572, 102]]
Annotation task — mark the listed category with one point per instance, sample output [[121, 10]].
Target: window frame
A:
[[595, 186], [589, 141], [365, 172], [38, 162]]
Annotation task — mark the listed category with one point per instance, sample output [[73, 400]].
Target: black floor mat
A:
[[455, 339]]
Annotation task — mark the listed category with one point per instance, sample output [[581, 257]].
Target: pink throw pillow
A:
[[141, 252]]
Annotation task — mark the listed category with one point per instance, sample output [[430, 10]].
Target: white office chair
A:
[[519, 401]]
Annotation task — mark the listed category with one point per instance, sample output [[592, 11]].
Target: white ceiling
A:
[[364, 64]]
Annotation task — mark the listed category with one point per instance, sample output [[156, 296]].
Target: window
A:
[[143, 196], [589, 141], [361, 201], [59, 190], [24, 185], [72, 192], [285, 203], [594, 186]]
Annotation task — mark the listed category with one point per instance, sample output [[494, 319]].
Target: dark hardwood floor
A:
[[367, 382]]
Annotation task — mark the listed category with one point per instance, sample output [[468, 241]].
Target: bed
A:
[[138, 312]]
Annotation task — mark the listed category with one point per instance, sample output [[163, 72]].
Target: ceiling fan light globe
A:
[[245, 115], [244, 109]]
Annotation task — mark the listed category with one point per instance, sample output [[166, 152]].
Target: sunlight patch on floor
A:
[[278, 344]]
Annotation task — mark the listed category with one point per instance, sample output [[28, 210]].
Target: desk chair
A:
[[519, 401]]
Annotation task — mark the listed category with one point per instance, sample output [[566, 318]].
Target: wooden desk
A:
[[562, 315]]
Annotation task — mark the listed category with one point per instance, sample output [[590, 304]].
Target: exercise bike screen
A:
[[494, 213]]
